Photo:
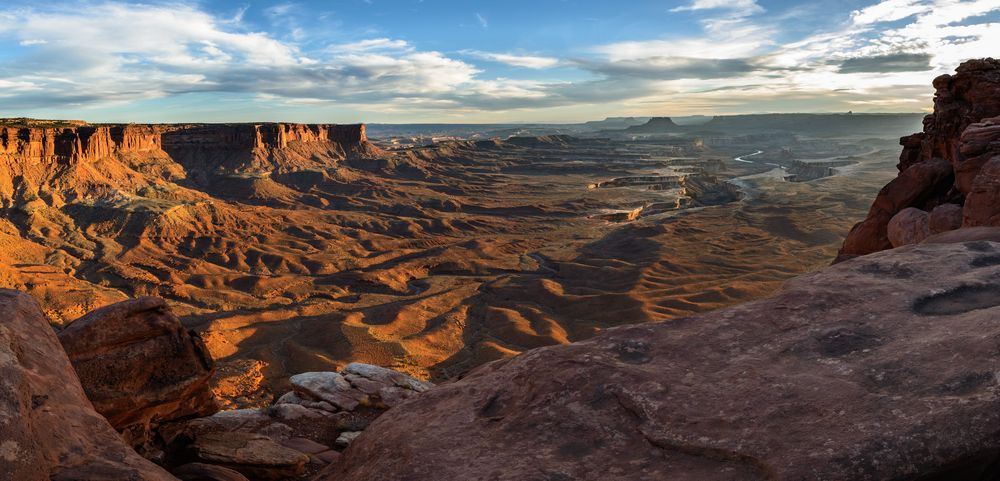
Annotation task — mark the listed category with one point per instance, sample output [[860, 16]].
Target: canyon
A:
[[296, 301], [292, 247]]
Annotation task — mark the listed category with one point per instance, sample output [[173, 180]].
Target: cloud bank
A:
[[879, 57]]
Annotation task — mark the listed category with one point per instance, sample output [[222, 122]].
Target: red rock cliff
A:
[[264, 147], [948, 168], [67, 162], [89, 143], [76, 144]]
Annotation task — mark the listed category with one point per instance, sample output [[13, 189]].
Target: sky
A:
[[477, 61]]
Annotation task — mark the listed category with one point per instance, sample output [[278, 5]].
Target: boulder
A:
[[48, 428], [346, 438], [945, 217], [913, 187], [356, 385], [329, 387], [978, 144], [140, 366], [909, 226], [386, 388], [879, 368]]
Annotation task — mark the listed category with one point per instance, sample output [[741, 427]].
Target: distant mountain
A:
[[655, 125], [809, 124], [615, 123]]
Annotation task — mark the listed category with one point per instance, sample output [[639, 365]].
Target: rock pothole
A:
[[959, 300]]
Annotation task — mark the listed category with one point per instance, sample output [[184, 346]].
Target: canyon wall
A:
[[98, 161], [90, 143], [76, 144]]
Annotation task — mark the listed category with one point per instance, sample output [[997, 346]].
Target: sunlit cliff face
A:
[[401, 61]]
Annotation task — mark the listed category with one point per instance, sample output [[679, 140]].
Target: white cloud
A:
[[880, 56], [159, 50], [482, 20], [742, 7], [516, 60], [889, 10], [370, 45]]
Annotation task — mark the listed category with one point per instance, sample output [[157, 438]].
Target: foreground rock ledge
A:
[[880, 368], [48, 428]]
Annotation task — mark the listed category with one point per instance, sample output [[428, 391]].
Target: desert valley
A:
[[391, 240], [293, 248]]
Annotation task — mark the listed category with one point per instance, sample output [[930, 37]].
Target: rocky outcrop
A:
[[880, 368], [302, 433], [139, 366], [48, 428], [57, 163], [948, 163]]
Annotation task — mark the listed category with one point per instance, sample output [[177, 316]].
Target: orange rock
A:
[[48, 428], [140, 366]]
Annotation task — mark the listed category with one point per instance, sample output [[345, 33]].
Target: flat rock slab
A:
[[880, 368], [256, 456], [207, 472]]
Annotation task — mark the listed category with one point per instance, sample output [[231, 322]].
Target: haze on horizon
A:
[[447, 61]]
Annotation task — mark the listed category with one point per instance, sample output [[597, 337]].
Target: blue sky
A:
[[478, 61]]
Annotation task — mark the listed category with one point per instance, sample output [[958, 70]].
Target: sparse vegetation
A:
[[25, 123]]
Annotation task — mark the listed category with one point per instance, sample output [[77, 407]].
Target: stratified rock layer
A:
[[48, 428], [881, 368], [140, 366], [949, 162]]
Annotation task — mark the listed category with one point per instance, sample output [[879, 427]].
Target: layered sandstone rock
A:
[[139, 366], [48, 428], [881, 368], [264, 147], [948, 163], [101, 162]]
